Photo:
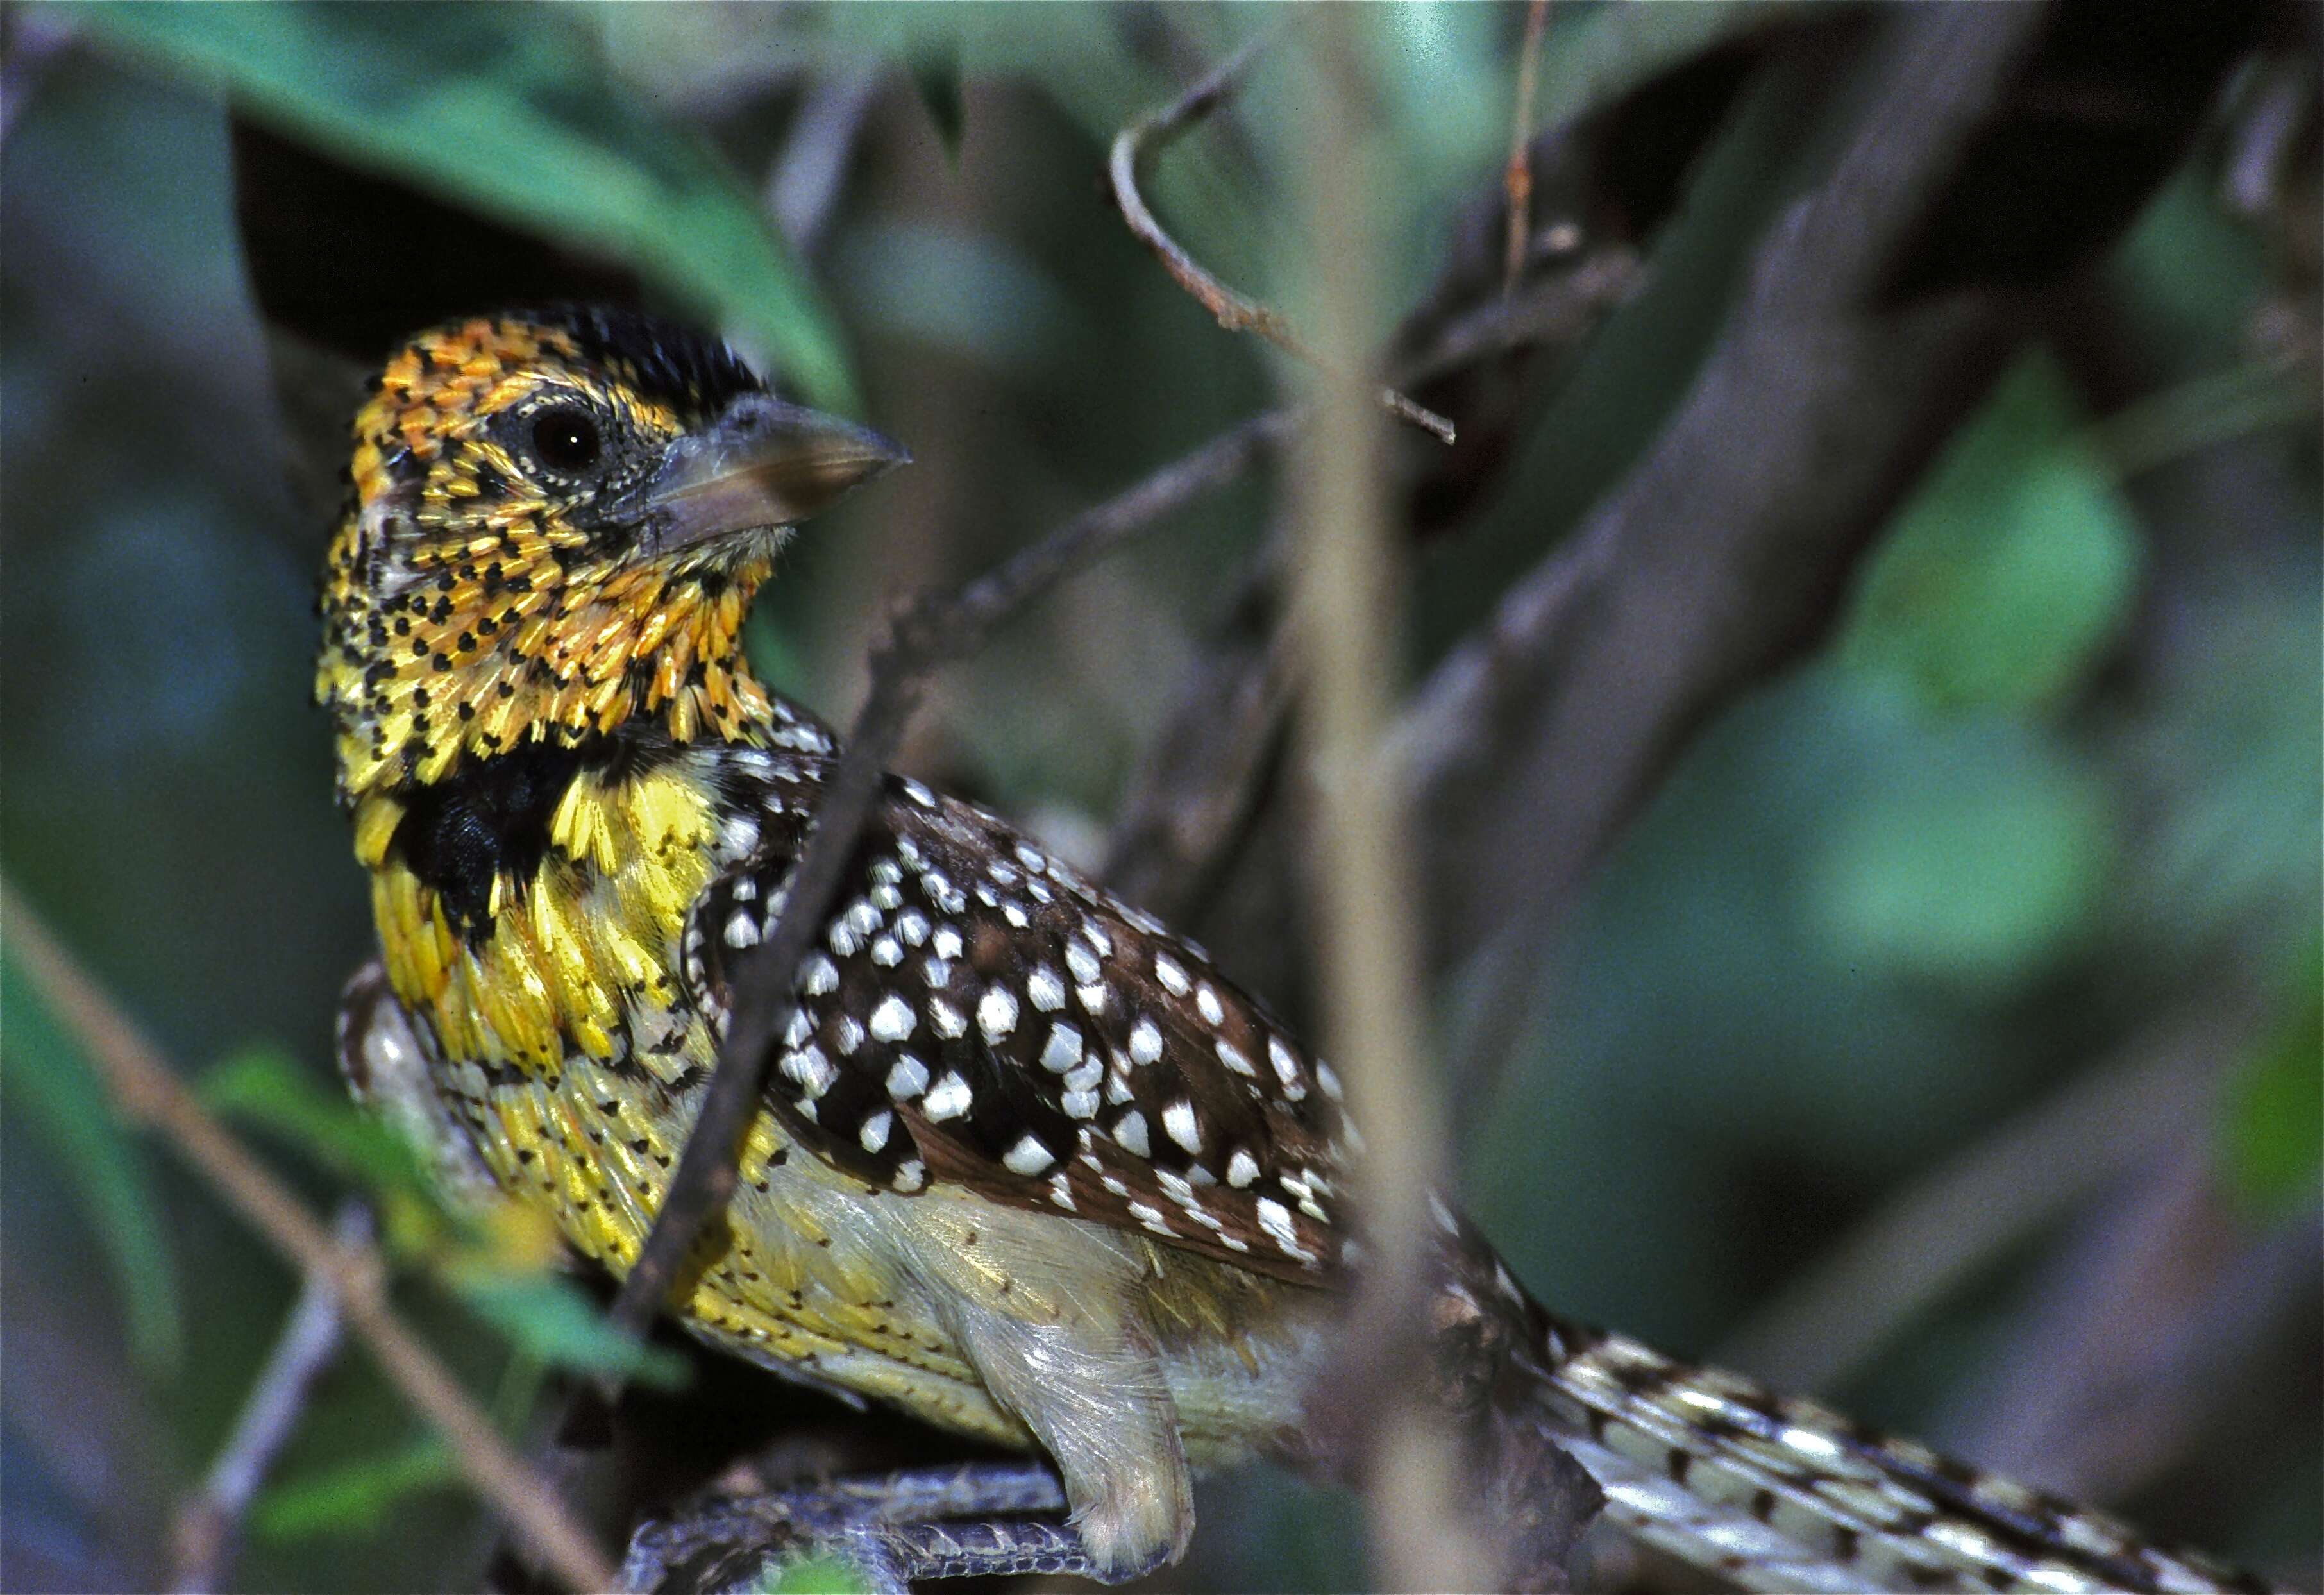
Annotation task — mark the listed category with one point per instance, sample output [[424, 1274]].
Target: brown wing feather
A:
[[976, 1013]]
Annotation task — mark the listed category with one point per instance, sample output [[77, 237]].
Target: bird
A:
[[1029, 1165]]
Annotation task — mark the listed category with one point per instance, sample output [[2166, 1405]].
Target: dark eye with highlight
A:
[[565, 439]]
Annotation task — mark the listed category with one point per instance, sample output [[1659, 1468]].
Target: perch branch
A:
[[147, 1091], [1136, 146]]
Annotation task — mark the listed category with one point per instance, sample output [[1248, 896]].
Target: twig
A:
[[1828, 1323], [1516, 178], [1347, 619], [926, 632], [1199, 792], [146, 1090], [210, 1522], [1136, 145], [2140, 1329]]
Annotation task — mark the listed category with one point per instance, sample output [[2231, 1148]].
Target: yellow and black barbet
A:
[[1031, 1168]]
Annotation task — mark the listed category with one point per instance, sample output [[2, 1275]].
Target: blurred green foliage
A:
[[513, 112], [45, 1076], [2274, 1119], [2062, 761]]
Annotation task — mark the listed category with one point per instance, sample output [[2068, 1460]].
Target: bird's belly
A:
[[799, 1279]]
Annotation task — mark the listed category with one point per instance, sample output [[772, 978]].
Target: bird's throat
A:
[[480, 663]]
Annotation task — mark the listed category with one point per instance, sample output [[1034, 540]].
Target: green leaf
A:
[[260, 1086], [816, 1575], [2274, 1119], [1978, 863], [508, 109], [46, 1076], [2011, 569], [547, 1318], [355, 1498], [1591, 58]]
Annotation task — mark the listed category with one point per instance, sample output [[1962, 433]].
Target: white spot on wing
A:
[[1144, 1042], [948, 1098], [1028, 1157], [996, 1012], [1064, 1050], [1178, 1119], [893, 1019]]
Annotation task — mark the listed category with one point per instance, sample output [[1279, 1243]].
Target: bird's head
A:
[[556, 525]]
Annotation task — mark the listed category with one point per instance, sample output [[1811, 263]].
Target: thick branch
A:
[[1724, 552]]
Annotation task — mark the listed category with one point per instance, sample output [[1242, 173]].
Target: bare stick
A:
[[1135, 146], [1517, 178], [925, 632], [1348, 620], [147, 1091], [210, 1523]]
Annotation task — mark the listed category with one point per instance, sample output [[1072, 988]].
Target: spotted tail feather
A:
[[1772, 1492]]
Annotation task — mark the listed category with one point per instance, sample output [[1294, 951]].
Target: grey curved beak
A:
[[764, 462]]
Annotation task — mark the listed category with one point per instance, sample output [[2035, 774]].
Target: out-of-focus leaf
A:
[[957, 291], [263, 1087], [507, 109], [47, 1078], [550, 1320], [2274, 1140], [500, 1261], [1976, 864], [816, 1575], [1604, 52], [2010, 569], [357, 1497]]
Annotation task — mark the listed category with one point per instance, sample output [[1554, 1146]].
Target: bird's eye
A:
[[563, 439]]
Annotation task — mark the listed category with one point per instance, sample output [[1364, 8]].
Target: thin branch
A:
[[928, 631], [1924, 1242], [1517, 178], [1135, 147], [2140, 1334], [209, 1523], [1347, 615], [1199, 793], [146, 1090]]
